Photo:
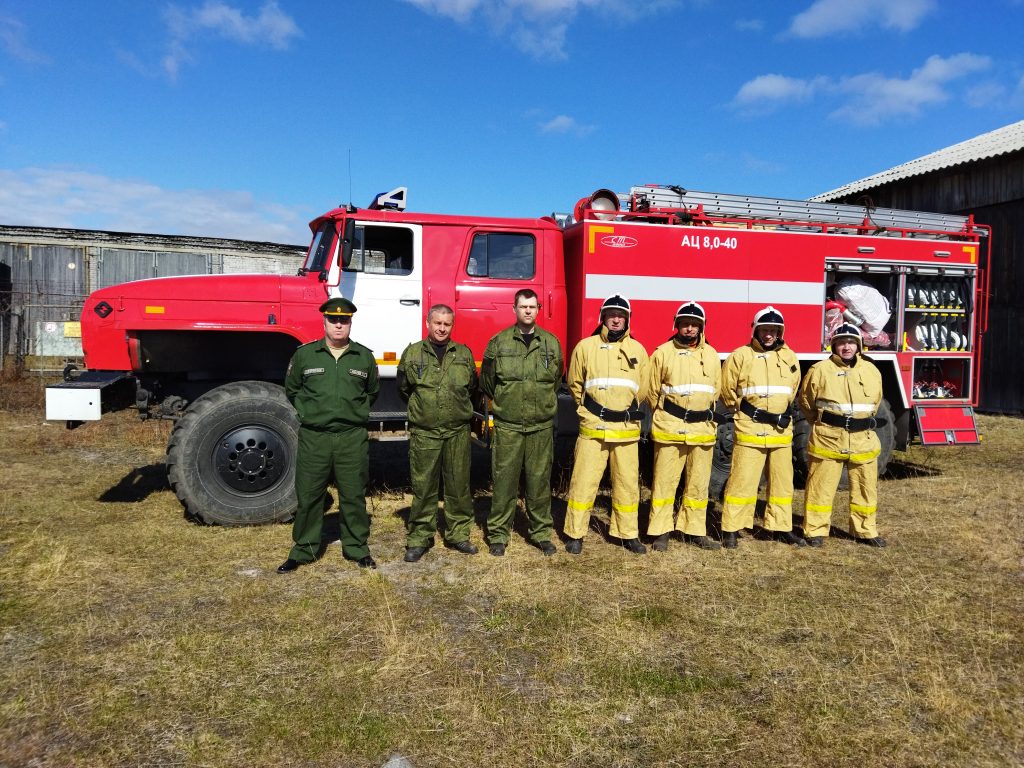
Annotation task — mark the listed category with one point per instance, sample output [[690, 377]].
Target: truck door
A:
[[384, 279], [498, 264]]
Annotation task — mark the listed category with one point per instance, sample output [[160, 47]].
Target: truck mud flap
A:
[[946, 425]]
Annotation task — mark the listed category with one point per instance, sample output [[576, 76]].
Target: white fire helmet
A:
[[691, 310], [616, 302], [847, 331], [768, 316]]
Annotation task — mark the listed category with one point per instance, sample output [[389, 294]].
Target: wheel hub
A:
[[250, 459]]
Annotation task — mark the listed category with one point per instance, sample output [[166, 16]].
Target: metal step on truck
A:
[[210, 351]]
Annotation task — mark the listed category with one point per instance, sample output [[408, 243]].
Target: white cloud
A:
[[984, 94], [271, 26], [45, 197], [565, 124], [537, 27], [766, 93], [832, 17], [875, 98], [13, 40], [870, 98]]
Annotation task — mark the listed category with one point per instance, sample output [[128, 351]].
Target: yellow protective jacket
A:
[[615, 375], [690, 377], [766, 380], [856, 391]]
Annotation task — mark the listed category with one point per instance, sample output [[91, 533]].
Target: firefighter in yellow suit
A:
[[682, 389], [607, 376], [840, 397], [759, 385]]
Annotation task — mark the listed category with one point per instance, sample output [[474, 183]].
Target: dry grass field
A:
[[130, 636]]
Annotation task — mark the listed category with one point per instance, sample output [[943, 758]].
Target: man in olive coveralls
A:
[[437, 378], [521, 372], [331, 383]]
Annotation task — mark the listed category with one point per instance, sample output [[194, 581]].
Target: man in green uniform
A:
[[331, 383], [437, 378], [521, 372]]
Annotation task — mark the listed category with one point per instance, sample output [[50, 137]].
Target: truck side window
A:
[[381, 251], [502, 256]]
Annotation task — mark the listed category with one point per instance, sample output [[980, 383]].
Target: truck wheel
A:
[[231, 456], [721, 460], [886, 436]]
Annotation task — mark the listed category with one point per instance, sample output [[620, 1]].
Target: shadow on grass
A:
[[906, 470], [138, 484]]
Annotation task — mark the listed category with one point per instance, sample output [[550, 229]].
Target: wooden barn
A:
[[983, 176]]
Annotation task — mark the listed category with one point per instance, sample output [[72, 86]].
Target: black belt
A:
[[780, 420], [633, 413], [851, 424], [690, 417]]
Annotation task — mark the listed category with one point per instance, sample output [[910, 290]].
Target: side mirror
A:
[[346, 243]]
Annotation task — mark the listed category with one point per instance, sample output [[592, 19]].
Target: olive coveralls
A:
[[768, 380], [440, 396], [615, 375], [522, 378], [333, 399], [847, 390], [689, 378]]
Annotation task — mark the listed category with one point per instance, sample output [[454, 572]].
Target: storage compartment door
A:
[[947, 424]]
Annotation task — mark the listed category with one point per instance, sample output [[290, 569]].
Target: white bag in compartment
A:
[[865, 300]]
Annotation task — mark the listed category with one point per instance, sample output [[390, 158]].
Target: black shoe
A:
[[729, 539], [463, 546], [366, 562], [288, 566], [547, 548], [816, 541], [574, 546], [634, 546], [703, 542], [878, 542], [413, 554], [498, 550], [788, 537], [660, 543]]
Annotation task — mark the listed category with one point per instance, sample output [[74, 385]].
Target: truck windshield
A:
[[321, 248]]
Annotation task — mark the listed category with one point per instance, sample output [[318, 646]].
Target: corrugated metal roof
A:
[[1001, 141]]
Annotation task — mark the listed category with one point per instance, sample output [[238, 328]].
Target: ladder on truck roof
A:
[[665, 199]]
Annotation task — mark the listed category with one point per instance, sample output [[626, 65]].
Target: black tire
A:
[[721, 460], [231, 456]]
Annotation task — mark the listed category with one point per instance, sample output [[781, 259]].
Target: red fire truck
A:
[[210, 352]]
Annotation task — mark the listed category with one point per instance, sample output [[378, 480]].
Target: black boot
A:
[[788, 537], [729, 539], [574, 546], [703, 542], [634, 546], [878, 542], [660, 543], [816, 541]]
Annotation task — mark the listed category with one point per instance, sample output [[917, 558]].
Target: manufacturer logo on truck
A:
[[618, 241]]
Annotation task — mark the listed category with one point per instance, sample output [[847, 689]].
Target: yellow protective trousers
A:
[[589, 462], [741, 491], [823, 480], [669, 462]]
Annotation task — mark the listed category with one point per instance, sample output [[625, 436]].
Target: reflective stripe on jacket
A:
[[614, 374], [766, 380], [689, 377], [849, 391]]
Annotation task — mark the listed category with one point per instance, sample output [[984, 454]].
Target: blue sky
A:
[[233, 118]]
